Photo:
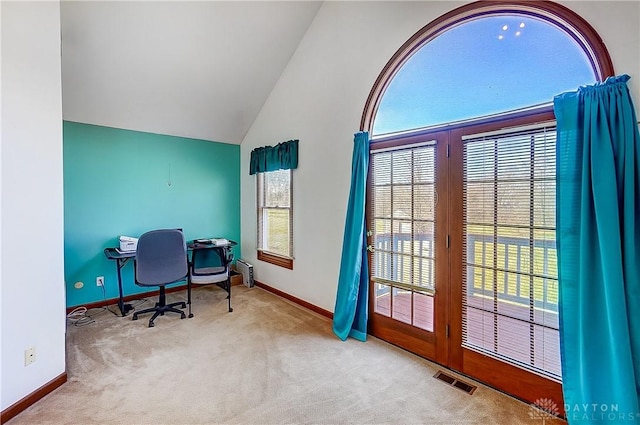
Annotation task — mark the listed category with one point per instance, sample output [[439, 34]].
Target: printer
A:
[[127, 243]]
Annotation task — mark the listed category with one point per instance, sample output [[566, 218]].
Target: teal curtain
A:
[[598, 236], [283, 156], [351, 309]]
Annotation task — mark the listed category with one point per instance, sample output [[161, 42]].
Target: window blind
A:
[[510, 276]]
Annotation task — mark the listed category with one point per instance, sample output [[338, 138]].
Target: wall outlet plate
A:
[[29, 356], [100, 281]]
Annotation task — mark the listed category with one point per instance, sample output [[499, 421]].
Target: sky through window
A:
[[484, 66]]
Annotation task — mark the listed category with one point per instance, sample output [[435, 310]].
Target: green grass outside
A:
[[276, 239]]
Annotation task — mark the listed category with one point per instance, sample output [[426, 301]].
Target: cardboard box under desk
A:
[[236, 278]]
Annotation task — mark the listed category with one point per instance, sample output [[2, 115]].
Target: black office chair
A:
[[161, 259], [210, 266]]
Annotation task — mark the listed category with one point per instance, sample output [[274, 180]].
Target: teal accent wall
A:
[[122, 182]]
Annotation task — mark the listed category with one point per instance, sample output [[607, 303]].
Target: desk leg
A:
[[124, 308], [189, 268], [189, 295]]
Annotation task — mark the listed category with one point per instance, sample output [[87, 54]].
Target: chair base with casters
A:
[[219, 274], [161, 308]]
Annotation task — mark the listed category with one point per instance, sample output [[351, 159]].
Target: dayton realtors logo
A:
[[544, 409], [598, 412]]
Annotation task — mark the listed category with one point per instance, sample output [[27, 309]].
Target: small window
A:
[[275, 212]]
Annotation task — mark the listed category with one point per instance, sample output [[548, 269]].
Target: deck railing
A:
[[514, 283], [397, 246], [510, 286]]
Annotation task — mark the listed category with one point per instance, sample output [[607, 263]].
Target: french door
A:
[[463, 262], [407, 208]]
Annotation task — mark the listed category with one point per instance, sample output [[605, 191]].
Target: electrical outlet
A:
[[100, 281], [29, 356]]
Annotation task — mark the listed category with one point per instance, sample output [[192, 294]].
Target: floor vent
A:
[[469, 389]]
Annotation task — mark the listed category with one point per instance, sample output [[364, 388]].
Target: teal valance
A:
[[283, 156]]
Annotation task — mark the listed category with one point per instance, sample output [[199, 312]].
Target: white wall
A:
[[32, 279], [319, 99], [618, 23]]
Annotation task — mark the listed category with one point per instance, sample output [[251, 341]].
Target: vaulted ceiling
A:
[[199, 69]]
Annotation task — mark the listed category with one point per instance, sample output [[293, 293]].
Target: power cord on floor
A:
[[77, 314], [80, 316], [117, 313], [134, 304]]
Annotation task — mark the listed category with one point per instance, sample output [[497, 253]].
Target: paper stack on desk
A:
[[213, 241]]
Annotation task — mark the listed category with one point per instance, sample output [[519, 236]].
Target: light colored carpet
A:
[[268, 362]]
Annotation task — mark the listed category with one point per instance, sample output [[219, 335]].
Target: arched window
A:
[[461, 199], [482, 59]]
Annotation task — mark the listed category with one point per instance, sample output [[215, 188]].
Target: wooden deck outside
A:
[[534, 345], [402, 311]]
